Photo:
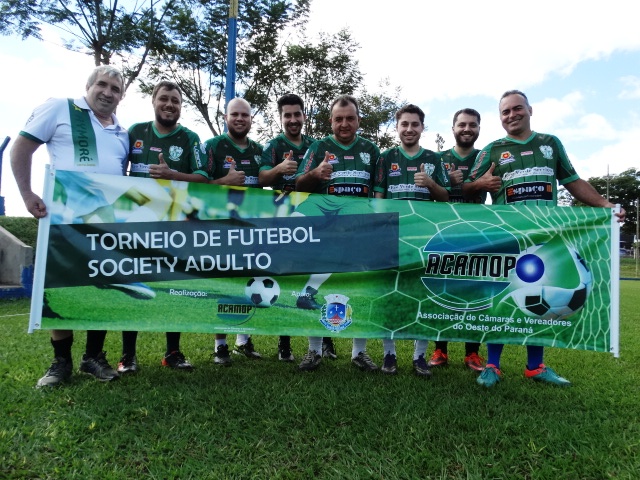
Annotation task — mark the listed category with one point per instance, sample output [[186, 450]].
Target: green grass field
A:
[[264, 419]]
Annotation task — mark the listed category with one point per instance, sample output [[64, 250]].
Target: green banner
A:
[[140, 254]]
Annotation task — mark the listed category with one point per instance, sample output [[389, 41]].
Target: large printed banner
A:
[[120, 253]]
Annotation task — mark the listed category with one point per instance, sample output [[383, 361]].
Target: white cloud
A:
[[633, 90]]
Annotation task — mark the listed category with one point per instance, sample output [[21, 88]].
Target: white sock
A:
[[316, 280], [359, 345], [242, 339], [315, 343], [389, 346], [419, 348], [220, 341]]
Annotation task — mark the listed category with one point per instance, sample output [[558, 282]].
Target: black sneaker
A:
[[328, 350], [422, 368], [128, 364], [59, 372], [247, 350], [221, 356], [310, 361], [307, 300], [176, 360], [284, 350], [389, 364], [98, 367], [363, 362]]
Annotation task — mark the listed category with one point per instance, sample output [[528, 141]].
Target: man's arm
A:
[[21, 160], [308, 182], [422, 179], [486, 183], [584, 191], [271, 176]]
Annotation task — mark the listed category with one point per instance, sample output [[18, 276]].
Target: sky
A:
[[579, 66]]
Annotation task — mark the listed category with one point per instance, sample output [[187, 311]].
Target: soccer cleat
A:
[[546, 374], [307, 300], [389, 364], [310, 361], [59, 372], [177, 361], [247, 350], [135, 290], [98, 367], [328, 349], [490, 375], [422, 368], [363, 362], [439, 359], [284, 351], [473, 361], [128, 364], [221, 356]]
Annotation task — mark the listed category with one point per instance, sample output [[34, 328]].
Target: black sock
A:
[[129, 343], [173, 342], [62, 348], [442, 346], [95, 342], [285, 341], [471, 347]]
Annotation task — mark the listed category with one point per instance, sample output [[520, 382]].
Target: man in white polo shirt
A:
[[82, 135]]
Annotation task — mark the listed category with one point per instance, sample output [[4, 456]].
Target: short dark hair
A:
[[410, 108], [467, 111], [289, 99], [343, 101], [167, 85], [515, 92]]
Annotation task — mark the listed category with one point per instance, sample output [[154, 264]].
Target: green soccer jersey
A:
[[181, 148], [453, 161], [276, 150], [353, 166], [530, 169], [221, 151], [395, 171]]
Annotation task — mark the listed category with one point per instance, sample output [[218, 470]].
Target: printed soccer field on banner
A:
[[139, 254]]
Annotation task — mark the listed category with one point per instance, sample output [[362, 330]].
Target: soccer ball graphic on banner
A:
[[553, 281], [262, 291]]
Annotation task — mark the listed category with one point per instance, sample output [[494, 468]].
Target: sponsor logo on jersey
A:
[[137, 147], [412, 169], [449, 166], [175, 152], [245, 162], [228, 161], [332, 158], [349, 157], [528, 152], [506, 157], [336, 314], [395, 170], [547, 152]]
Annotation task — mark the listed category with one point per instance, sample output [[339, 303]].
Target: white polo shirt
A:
[[50, 123]]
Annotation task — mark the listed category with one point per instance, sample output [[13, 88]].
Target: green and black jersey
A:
[[530, 170], [353, 166], [452, 161], [221, 151], [395, 171], [181, 149], [276, 150]]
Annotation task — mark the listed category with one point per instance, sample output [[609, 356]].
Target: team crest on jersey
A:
[[429, 168], [366, 158], [137, 146], [547, 152], [175, 152], [336, 314], [228, 161], [257, 159], [506, 157]]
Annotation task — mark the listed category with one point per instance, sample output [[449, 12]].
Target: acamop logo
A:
[[469, 264]]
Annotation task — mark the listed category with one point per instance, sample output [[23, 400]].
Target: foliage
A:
[[196, 59], [23, 228], [623, 188], [264, 419], [106, 30]]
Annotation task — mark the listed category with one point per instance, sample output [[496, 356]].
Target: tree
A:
[[196, 58], [106, 30], [622, 188]]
